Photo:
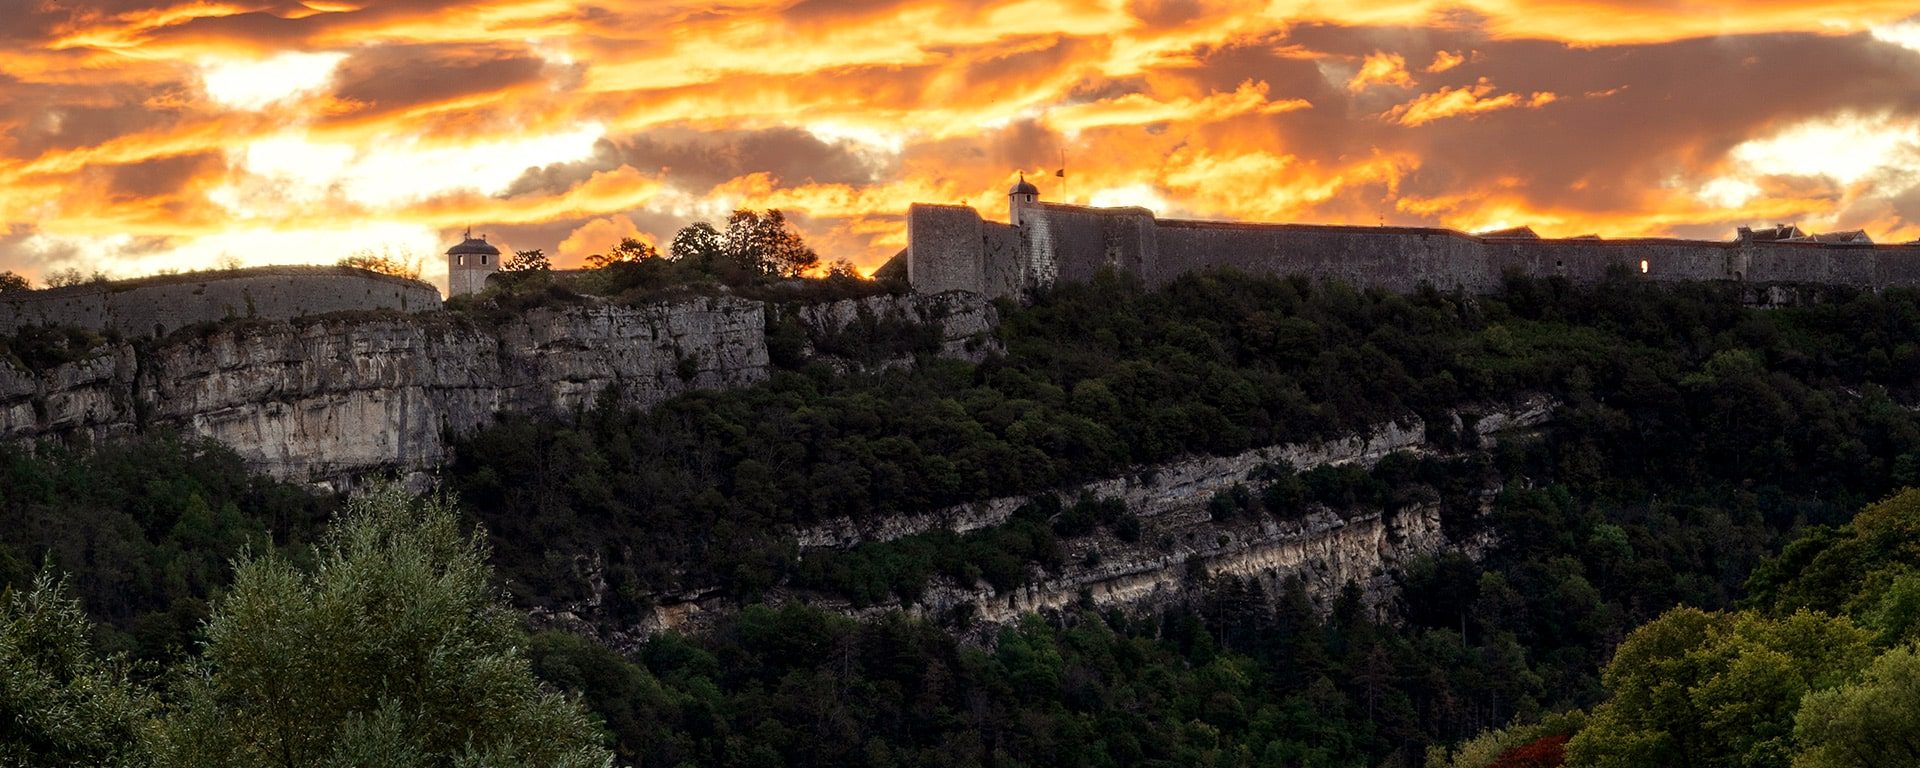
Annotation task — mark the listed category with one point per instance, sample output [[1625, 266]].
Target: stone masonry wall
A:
[[1064, 242], [947, 251], [159, 305]]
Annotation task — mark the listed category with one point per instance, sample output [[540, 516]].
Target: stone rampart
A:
[[1066, 242], [165, 303]]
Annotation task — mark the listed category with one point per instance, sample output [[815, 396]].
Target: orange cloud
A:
[[1455, 102], [1381, 69], [1445, 60], [163, 133]]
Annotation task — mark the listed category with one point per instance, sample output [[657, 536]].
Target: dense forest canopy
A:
[[1689, 513]]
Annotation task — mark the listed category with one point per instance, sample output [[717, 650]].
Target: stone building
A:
[[952, 248], [469, 264]]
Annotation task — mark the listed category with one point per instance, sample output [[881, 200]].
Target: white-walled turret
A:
[[469, 264], [1023, 194]]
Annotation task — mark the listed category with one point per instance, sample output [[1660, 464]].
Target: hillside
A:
[[1233, 521]]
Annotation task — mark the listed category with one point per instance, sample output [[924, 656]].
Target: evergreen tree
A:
[[393, 650], [60, 704]]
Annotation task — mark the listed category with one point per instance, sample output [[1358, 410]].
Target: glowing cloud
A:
[[252, 85], [1456, 102], [1381, 69], [166, 134]]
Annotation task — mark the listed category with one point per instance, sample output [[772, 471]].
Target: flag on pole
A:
[[1062, 173]]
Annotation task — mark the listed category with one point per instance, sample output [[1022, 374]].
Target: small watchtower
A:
[[469, 264], [1022, 195]]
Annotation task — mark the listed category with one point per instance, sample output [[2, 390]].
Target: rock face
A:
[[328, 401], [1325, 549]]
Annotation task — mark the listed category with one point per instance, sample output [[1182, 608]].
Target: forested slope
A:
[[1695, 437]]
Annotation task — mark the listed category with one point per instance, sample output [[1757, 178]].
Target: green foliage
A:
[[393, 649], [1694, 688], [39, 348], [535, 260], [998, 556], [763, 242], [144, 527], [1868, 569], [1873, 722], [60, 703]]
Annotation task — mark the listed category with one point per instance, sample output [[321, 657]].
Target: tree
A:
[[1693, 688], [393, 650], [10, 282], [698, 244], [403, 264], [528, 261], [60, 704], [63, 278], [1874, 722], [768, 243], [627, 250]]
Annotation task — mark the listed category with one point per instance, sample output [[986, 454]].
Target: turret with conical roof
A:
[[469, 264], [1023, 194]]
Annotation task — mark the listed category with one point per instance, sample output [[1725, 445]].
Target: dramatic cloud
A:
[[138, 135]]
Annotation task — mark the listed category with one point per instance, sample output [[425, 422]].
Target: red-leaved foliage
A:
[[1549, 752]]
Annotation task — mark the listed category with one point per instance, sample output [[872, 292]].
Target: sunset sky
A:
[[141, 135]]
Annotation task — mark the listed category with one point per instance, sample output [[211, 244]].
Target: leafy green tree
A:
[[698, 244], [628, 250], [1713, 689], [393, 650], [10, 281], [766, 241], [1875, 722], [60, 704], [1864, 569], [528, 261]]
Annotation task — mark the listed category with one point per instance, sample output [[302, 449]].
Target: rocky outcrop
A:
[[1179, 539], [328, 401], [965, 322], [1167, 486]]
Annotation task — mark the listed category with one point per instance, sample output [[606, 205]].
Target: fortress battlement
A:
[[162, 303], [953, 248]]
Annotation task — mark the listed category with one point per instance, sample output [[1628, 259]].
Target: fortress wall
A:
[[160, 305], [1585, 262], [1006, 265], [1387, 258], [1067, 242], [1894, 266], [1790, 264], [944, 251], [1073, 242], [1132, 242]]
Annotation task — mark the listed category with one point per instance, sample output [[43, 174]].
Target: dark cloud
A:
[[163, 177], [698, 160], [1165, 13], [49, 117], [396, 77]]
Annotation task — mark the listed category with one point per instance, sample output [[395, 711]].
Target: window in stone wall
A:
[[1643, 266], [460, 261]]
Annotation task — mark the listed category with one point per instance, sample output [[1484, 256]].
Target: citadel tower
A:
[[469, 264], [1022, 195]]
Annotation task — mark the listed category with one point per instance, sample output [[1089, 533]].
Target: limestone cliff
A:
[[1327, 549], [327, 401]]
